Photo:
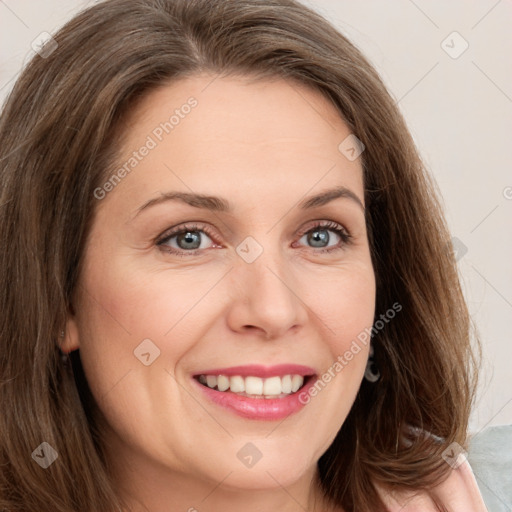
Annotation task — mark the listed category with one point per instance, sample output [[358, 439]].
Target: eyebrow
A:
[[219, 204]]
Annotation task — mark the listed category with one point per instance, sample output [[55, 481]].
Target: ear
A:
[[70, 339]]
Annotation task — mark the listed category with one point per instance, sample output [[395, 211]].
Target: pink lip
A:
[[261, 371], [266, 409]]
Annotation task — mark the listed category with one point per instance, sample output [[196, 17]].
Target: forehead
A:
[[235, 137]]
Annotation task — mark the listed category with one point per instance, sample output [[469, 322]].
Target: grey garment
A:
[[490, 457]]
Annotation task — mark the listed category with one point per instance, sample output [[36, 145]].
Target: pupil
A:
[[190, 237], [319, 236]]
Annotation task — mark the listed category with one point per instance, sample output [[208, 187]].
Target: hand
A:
[[458, 493]]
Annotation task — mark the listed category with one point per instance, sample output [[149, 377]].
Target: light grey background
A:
[[459, 111]]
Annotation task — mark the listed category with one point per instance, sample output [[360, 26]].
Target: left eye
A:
[[319, 237]]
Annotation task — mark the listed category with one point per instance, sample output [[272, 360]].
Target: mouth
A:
[[255, 387], [257, 392]]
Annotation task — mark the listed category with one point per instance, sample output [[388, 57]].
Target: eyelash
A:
[[345, 236]]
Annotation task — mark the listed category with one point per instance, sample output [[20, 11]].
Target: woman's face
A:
[[254, 293]]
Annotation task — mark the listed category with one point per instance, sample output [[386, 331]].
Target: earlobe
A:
[[69, 338]]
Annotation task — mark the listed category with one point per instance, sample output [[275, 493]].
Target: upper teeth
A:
[[271, 386]]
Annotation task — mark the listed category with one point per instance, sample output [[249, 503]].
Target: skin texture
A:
[[264, 147]]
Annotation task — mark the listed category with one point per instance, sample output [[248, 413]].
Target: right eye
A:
[[185, 240]]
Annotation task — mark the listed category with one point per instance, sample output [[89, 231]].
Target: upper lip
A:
[[256, 370]]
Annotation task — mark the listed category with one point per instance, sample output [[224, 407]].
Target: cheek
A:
[[123, 306], [346, 309], [154, 302], [124, 316], [131, 302], [346, 304]]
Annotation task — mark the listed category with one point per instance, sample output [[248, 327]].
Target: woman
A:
[[227, 275]]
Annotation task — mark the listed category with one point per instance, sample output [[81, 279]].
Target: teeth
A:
[[297, 382], [270, 387], [286, 384], [222, 382], [237, 384], [253, 386]]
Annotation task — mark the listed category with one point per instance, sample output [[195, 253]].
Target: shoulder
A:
[[457, 493]]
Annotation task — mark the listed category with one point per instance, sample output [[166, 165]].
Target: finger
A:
[[407, 501], [459, 492]]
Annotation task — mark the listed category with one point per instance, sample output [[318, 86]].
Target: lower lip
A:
[[267, 409]]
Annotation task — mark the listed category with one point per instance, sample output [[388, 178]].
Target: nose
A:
[[266, 299]]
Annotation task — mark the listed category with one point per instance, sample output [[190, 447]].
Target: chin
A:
[[264, 463]]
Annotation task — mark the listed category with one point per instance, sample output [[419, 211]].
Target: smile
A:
[[257, 392], [254, 387]]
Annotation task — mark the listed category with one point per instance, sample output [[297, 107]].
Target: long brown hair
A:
[[58, 143]]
